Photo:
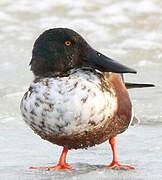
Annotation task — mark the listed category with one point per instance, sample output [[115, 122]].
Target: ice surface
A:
[[20, 148], [127, 31]]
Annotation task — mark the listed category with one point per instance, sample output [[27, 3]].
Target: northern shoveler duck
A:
[[77, 99]]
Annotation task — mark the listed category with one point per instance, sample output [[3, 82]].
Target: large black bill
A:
[[98, 61]]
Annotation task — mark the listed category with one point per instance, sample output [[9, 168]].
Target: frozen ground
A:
[[127, 31], [140, 147]]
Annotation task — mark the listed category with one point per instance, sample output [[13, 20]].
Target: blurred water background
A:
[[127, 31]]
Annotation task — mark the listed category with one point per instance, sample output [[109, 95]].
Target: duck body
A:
[[77, 111], [77, 99]]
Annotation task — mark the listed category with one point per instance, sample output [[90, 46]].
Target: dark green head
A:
[[58, 50]]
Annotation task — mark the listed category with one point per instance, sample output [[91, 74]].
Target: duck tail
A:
[[137, 85]]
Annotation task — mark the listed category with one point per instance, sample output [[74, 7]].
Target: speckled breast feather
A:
[[63, 109]]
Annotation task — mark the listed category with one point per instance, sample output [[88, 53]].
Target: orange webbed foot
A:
[[58, 167], [62, 165], [114, 165]]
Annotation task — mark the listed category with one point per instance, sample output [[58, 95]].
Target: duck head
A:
[[59, 50]]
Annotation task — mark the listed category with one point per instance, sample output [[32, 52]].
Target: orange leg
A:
[[115, 163], [62, 165]]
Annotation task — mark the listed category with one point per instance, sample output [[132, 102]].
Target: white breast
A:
[[68, 105]]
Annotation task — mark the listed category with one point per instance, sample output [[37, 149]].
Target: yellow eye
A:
[[67, 43]]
